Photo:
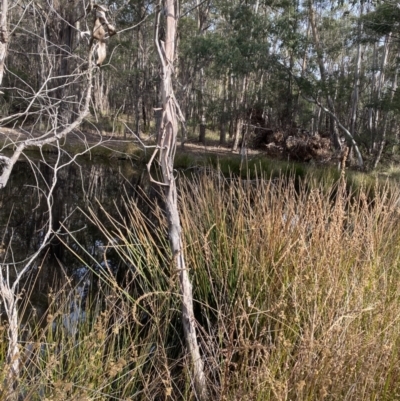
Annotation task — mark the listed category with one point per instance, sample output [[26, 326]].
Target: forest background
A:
[[289, 69]]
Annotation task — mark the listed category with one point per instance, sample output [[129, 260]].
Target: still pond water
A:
[[80, 186]]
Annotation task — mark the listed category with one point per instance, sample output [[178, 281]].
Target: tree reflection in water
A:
[[24, 219]]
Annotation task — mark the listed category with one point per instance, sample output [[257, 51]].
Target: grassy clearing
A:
[[297, 298]]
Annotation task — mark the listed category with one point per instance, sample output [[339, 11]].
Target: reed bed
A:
[[302, 284], [297, 298]]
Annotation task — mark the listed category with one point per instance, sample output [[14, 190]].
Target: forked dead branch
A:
[[58, 129]]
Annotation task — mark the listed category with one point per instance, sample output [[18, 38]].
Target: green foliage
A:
[[384, 19]]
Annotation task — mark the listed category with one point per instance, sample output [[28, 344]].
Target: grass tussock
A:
[[296, 289]]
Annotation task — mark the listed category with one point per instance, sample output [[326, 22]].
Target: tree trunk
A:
[[202, 15], [231, 105], [355, 95], [334, 132], [222, 119], [377, 96], [3, 37], [13, 355], [385, 123], [240, 118], [202, 111], [303, 71], [167, 138]]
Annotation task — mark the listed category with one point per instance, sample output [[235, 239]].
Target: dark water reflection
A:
[[24, 216]]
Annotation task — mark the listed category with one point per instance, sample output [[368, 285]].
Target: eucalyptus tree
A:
[[196, 19], [289, 33], [132, 72], [334, 133], [354, 110], [166, 147], [232, 53], [4, 37], [202, 10], [324, 71], [381, 29]]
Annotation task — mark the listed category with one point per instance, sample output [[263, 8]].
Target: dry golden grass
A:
[[297, 298], [300, 288]]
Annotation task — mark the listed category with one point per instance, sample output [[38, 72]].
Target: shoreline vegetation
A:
[[296, 297], [106, 146]]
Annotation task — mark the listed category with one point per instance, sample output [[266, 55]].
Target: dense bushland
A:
[[296, 290]]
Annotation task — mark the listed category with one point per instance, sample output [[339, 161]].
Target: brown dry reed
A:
[[297, 298]]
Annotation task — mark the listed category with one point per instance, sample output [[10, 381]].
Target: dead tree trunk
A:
[[3, 37], [167, 137]]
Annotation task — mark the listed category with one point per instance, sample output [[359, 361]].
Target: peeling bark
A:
[[3, 37], [167, 137]]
